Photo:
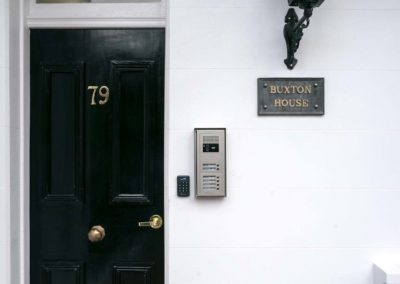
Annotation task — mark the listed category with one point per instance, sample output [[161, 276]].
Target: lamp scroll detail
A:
[[293, 30]]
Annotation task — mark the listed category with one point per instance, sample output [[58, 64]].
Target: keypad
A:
[[183, 183]]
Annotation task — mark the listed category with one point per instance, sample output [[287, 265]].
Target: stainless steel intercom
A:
[[210, 162]]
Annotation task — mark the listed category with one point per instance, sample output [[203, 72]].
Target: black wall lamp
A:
[[294, 27]]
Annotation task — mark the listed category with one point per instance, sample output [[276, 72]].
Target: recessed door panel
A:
[[140, 274], [133, 113], [62, 273], [61, 131]]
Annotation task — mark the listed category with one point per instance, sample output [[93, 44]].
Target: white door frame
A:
[[26, 15]]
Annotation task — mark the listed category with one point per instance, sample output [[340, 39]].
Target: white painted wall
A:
[[310, 199], [5, 129]]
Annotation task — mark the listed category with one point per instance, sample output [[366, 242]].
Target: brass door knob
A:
[[96, 234], [155, 222]]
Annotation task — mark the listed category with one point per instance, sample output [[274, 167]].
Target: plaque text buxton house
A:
[[291, 96]]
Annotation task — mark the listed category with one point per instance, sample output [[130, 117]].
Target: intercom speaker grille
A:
[[210, 139]]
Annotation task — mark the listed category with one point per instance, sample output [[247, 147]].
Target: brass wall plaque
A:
[[291, 96]]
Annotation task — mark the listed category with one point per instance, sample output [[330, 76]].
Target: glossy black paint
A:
[[96, 165]]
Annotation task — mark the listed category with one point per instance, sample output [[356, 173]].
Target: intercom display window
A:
[[211, 144], [211, 148]]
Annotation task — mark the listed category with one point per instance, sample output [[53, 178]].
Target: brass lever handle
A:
[[96, 234], [155, 222]]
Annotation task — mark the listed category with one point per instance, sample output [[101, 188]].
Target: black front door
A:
[[97, 140]]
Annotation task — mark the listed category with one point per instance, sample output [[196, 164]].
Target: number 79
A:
[[104, 92]]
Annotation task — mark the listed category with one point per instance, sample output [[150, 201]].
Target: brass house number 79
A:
[[104, 92]]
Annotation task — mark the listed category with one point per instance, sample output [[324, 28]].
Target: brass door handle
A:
[[155, 222], [96, 234]]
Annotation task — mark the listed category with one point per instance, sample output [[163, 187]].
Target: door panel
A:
[[132, 180], [132, 274], [96, 164], [62, 273], [62, 123]]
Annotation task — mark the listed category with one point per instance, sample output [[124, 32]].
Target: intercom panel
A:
[[210, 162]]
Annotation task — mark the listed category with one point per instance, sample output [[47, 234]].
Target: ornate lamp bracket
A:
[[293, 30]]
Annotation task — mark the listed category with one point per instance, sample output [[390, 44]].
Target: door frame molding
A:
[[21, 20]]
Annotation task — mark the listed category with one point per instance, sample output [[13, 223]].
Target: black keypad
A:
[[183, 183]]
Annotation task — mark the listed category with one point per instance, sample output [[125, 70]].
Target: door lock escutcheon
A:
[[155, 222]]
